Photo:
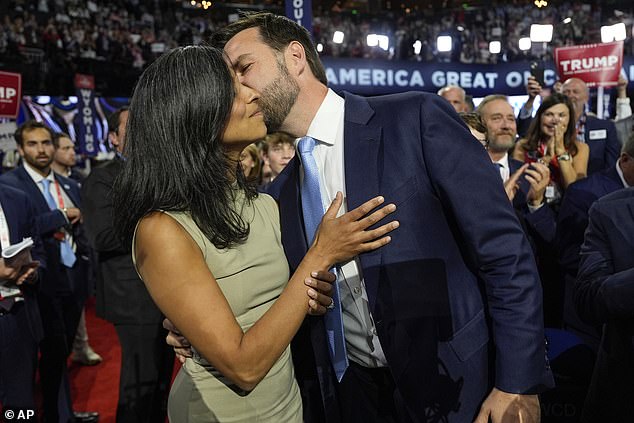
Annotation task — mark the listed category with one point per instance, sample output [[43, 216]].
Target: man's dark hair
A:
[[59, 135], [277, 32], [114, 119], [30, 125], [175, 160]]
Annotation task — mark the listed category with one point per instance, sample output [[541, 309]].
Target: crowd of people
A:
[[135, 33], [414, 267]]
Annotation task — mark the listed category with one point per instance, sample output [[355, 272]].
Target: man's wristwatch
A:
[[565, 157]]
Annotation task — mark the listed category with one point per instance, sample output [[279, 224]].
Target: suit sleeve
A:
[[494, 243], [541, 223], [98, 214], [612, 145], [572, 223], [602, 293]]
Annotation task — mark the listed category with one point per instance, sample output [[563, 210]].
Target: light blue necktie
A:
[[66, 251], [313, 211]]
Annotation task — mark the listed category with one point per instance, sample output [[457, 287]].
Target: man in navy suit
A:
[[603, 296], [572, 223], [20, 323], [64, 288], [417, 314], [525, 185]]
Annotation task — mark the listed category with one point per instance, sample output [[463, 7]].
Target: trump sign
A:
[[598, 65], [10, 94]]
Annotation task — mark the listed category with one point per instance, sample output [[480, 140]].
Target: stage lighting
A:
[[525, 43], [418, 46], [444, 43], [614, 32], [541, 33], [495, 47], [337, 37]]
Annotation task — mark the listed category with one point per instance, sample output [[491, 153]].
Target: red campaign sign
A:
[[84, 81], [598, 65], [10, 94]]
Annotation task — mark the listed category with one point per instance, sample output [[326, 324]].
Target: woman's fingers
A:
[[334, 207], [364, 208], [325, 287], [377, 216], [376, 233]]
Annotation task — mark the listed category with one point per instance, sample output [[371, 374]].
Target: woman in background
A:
[[551, 140]]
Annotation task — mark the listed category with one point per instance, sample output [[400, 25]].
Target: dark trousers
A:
[[18, 358], [60, 317], [369, 395], [146, 369]]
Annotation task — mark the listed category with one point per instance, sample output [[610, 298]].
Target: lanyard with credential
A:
[[60, 199]]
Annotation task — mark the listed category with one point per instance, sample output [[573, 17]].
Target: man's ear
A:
[[20, 151], [295, 58]]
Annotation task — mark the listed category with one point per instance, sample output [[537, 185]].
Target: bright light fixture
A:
[[337, 37], [495, 47], [418, 46], [443, 43], [614, 32], [541, 33], [525, 43]]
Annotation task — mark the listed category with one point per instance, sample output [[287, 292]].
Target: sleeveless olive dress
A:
[[251, 276]]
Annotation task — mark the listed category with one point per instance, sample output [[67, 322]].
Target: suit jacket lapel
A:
[[361, 161], [293, 236], [68, 190], [32, 190]]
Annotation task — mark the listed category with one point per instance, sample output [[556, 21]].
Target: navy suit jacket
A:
[[121, 295], [47, 223], [573, 214], [540, 224], [458, 269], [20, 216], [604, 294], [601, 137]]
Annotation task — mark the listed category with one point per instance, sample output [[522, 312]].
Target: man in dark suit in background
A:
[[64, 288], [20, 323], [122, 299], [416, 313], [604, 295], [572, 223]]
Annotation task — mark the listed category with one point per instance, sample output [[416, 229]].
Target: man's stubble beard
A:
[[278, 98], [497, 145]]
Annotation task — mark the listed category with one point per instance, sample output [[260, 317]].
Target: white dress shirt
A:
[[68, 203], [327, 129], [505, 171]]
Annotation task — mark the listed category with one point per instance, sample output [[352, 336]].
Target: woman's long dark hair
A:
[[535, 135], [175, 160]]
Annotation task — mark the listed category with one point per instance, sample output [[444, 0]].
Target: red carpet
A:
[[96, 388]]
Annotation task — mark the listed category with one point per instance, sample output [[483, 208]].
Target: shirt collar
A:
[[325, 124], [504, 161], [620, 172], [37, 178]]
